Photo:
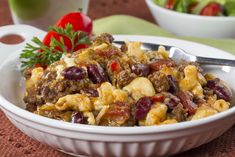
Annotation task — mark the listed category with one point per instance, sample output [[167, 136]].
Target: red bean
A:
[[171, 100], [221, 90], [187, 102], [174, 87], [140, 69], [96, 74], [78, 118], [143, 106], [74, 73]]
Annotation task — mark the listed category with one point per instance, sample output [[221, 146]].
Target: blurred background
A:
[[97, 9]]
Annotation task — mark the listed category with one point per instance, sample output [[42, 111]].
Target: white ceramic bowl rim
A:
[[210, 18], [21, 113]]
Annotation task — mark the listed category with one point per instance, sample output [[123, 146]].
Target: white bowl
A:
[[78, 139], [192, 25]]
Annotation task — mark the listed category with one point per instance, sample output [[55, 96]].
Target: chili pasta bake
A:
[[123, 86]]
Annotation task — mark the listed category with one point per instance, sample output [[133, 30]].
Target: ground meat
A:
[[199, 101], [183, 64], [170, 100], [32, 100], [160, 81], [124, 78], [179, 113], [117, 114], [108, 52], [208, 91], [160, 63], [124, 48], [49, 89], [52, 91], [27, 73], [104, 38]]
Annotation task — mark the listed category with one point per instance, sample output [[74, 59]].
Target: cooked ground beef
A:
[[50, 90], [179, 113], [124, 78], [160, 81]]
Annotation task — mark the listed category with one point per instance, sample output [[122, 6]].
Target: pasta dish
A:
[[127, 86]]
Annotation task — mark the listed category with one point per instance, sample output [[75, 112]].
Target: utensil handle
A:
[[215, 61], [25, 31]]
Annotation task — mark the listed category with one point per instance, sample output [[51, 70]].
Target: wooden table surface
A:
[[14, 143]]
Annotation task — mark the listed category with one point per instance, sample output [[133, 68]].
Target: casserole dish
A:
[[79, 139]]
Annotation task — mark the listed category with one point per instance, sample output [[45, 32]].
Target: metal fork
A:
[[178, 54]]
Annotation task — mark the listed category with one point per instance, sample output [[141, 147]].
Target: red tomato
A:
[[67, 42], [51, 34], [170, 4], [115, 66], [211, 9], [80, 22], [157, 98]]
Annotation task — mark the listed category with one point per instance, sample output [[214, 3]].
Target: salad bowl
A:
[[193, 25], [79, 139]]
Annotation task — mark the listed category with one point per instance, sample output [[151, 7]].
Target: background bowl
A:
[[78, 139], [192, 25]]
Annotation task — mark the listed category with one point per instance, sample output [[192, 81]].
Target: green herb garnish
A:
[[44, 55]]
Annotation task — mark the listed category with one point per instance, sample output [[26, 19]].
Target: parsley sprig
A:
[[44, 55]]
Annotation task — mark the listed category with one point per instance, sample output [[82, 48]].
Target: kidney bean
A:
[[140, 69], [174, 87], [160, 63], [143, 105], [171, 100], [96, 74], [187, 102], [74, 73], [220, 89], [78, 118]]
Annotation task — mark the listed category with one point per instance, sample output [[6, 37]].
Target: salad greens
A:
[[229, 7], [200, 7]]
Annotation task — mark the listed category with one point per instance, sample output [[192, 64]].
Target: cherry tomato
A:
[[211, 9], [67, 42], [80, 22], [51, 34], [170, 4]]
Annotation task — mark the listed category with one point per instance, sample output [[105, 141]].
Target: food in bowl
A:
[[185, 24], [200, 7], [111, 86]]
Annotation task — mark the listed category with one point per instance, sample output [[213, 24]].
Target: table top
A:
[[14, 143]]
